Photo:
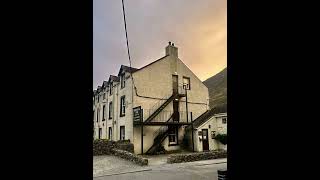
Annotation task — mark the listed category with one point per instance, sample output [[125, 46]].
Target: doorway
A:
[[122, 133], [110, 133], [205, 140], [175, 102], [175, 84]]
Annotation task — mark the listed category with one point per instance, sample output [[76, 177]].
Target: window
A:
[[224, 120], [110, 88], [122, 80], [98, 98], [104, 96], [122, 133], [100, 133], [98, 111], [173, 136], [122, 106], [186, 83], [103, 112], [110, 110], [110, 133]]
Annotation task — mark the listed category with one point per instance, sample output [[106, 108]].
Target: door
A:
[[175, 103], [110, 133], [205, 140], [175, 83], [122, 131]]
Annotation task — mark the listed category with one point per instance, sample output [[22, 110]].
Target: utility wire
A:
[[125, 28], [128, 48]]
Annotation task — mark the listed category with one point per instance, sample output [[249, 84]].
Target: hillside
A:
[[217, 86]]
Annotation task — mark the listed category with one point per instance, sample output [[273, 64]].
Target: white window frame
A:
[[188, 84], [122, 80], [175, 135], [110, 110], [122, 106]]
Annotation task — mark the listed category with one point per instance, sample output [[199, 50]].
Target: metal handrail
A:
[[162, 116], [159, 103]]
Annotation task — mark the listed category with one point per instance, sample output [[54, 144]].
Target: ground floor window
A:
[[173, 136], [122, 133], [224, 120], [100, 133], [110, 133]]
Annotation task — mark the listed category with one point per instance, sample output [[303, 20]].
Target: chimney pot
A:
[[171, 50]]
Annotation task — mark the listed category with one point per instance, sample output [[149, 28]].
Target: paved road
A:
[[183, 171]]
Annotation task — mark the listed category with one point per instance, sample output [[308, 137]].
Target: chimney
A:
[[171, 50]]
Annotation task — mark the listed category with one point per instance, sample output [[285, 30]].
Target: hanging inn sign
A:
[[137, 115]]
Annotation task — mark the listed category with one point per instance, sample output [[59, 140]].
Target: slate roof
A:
[[208, 114], [127, 69], [114, 78]]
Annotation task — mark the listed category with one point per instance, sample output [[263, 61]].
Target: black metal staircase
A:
[[155, 113], [162, 133]]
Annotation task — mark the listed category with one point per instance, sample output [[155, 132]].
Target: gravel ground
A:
[[111, 164]]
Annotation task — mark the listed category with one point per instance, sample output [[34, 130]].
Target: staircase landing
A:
[[161, 123]]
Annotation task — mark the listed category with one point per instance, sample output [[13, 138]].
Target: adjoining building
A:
[[167, 93], [206, 128]]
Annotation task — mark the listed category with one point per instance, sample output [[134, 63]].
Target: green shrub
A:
[[221, 138]]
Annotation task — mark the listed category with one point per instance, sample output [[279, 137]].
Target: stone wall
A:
[[124, 145], [104, 147], [179, 158], [130, 157]]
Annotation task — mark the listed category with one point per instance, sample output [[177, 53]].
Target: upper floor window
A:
[[224, 120], [98, 111], [122, 106], [110, 110], [104, 96], [186, 83], [98, 98], [103, 112], [122, 80], [110, 88]]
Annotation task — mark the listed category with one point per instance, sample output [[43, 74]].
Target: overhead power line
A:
[[125, 28]]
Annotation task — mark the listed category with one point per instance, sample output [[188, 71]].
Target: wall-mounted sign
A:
[[137, 114], [213, 134]]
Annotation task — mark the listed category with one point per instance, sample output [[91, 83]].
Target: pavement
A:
[[157, 169]]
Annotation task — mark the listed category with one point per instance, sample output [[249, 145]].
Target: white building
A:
[[161, 89], [206, 127]]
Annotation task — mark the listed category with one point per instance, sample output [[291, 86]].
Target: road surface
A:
[[183, 171]]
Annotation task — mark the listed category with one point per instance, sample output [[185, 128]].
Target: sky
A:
[[197, 27]]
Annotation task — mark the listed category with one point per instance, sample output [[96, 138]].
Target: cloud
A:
[[198, 28]]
